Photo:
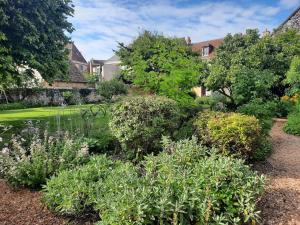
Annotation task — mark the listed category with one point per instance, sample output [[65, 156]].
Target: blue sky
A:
[[100, 24]]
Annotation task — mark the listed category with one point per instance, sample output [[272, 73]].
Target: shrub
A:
[[185, 184], [230, 132], [139, 123], [11, 106], [263, 111], [31, 165], [109, 88], [293, 124], [71, 191]]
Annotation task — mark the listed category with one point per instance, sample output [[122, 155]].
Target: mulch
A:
[[24, 207]]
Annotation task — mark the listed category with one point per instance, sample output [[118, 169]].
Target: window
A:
[[81, 68], [205, 51]]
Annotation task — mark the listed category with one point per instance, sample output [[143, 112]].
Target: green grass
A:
[[67, 118]]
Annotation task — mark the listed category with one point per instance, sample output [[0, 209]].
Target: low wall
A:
[[47, 96]]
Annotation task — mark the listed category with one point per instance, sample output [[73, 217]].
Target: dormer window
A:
[[205, 51]]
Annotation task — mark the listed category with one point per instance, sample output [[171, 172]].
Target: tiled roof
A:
[[75, 54], [293, 14], [197, 47], [215, 43]]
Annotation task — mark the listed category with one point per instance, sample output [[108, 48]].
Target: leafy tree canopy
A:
[[33, 36], [248, 66], [163, 65], [293, 76]]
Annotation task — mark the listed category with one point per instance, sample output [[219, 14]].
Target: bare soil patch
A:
[[280, 204]]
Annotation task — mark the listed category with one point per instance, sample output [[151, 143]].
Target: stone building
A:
[[293, 21], [78, 67]]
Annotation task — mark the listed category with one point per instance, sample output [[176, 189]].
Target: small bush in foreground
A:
[[31, 165], [139, 123], [230, 132], [185, 184]]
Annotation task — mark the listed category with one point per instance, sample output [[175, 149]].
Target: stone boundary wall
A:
[[45, 96]]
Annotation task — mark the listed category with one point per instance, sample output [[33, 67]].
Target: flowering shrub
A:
[[139, 123], [30, 165], [185, 184], [232, 133]]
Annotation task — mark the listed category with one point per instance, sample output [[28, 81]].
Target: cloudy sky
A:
[[100, 24]]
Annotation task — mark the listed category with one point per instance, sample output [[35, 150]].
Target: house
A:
[[106, 69], [78, 67], [293, 21], [111, 68], [206, 50]]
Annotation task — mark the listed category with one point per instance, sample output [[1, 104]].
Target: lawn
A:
[[67, 118]]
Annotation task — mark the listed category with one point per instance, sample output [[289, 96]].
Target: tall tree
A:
[[33, 36], [163, 65], [248, 66]]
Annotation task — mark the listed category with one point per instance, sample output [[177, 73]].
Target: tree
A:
[[33, 36], [163, 65], [248, 66], [293, 76]]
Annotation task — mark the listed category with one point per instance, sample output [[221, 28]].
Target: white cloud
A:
[[101, 24], [289, 3]]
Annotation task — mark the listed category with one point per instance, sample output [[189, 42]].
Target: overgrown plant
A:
[[184, 184], [30, 165], [139, 123]]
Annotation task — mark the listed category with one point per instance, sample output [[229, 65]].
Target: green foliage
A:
[[34, 34], [108, 89], [139, 123], [231, 133], [293, 76], [185, 184], [263, 151], [163, 65], [248, 66], [11, 106], [71, 192], [30, 164], [293, 124]]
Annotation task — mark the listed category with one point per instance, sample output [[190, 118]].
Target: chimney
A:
[[188, 41]]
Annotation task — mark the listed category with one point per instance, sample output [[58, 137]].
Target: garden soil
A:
[[280, 204]]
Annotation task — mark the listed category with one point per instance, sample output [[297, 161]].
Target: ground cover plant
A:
[[184, 184]]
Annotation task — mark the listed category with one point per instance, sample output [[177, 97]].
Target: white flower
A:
[[84, 151], [5, 151], [1, 139]]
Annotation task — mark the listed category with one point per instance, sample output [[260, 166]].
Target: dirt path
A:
[[281, 202]]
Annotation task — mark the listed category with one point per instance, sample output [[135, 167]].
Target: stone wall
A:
[[45, 97]]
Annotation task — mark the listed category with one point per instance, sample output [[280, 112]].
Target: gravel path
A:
[[281, 203]]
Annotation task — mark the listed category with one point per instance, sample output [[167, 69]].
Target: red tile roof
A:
[[197, 47]]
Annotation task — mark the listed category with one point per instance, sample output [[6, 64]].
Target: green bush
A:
[[139, 123], [71, 191], [293, 124], [30, 165], [185, 184], [230, 132], [11, 106], [108, 89]]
